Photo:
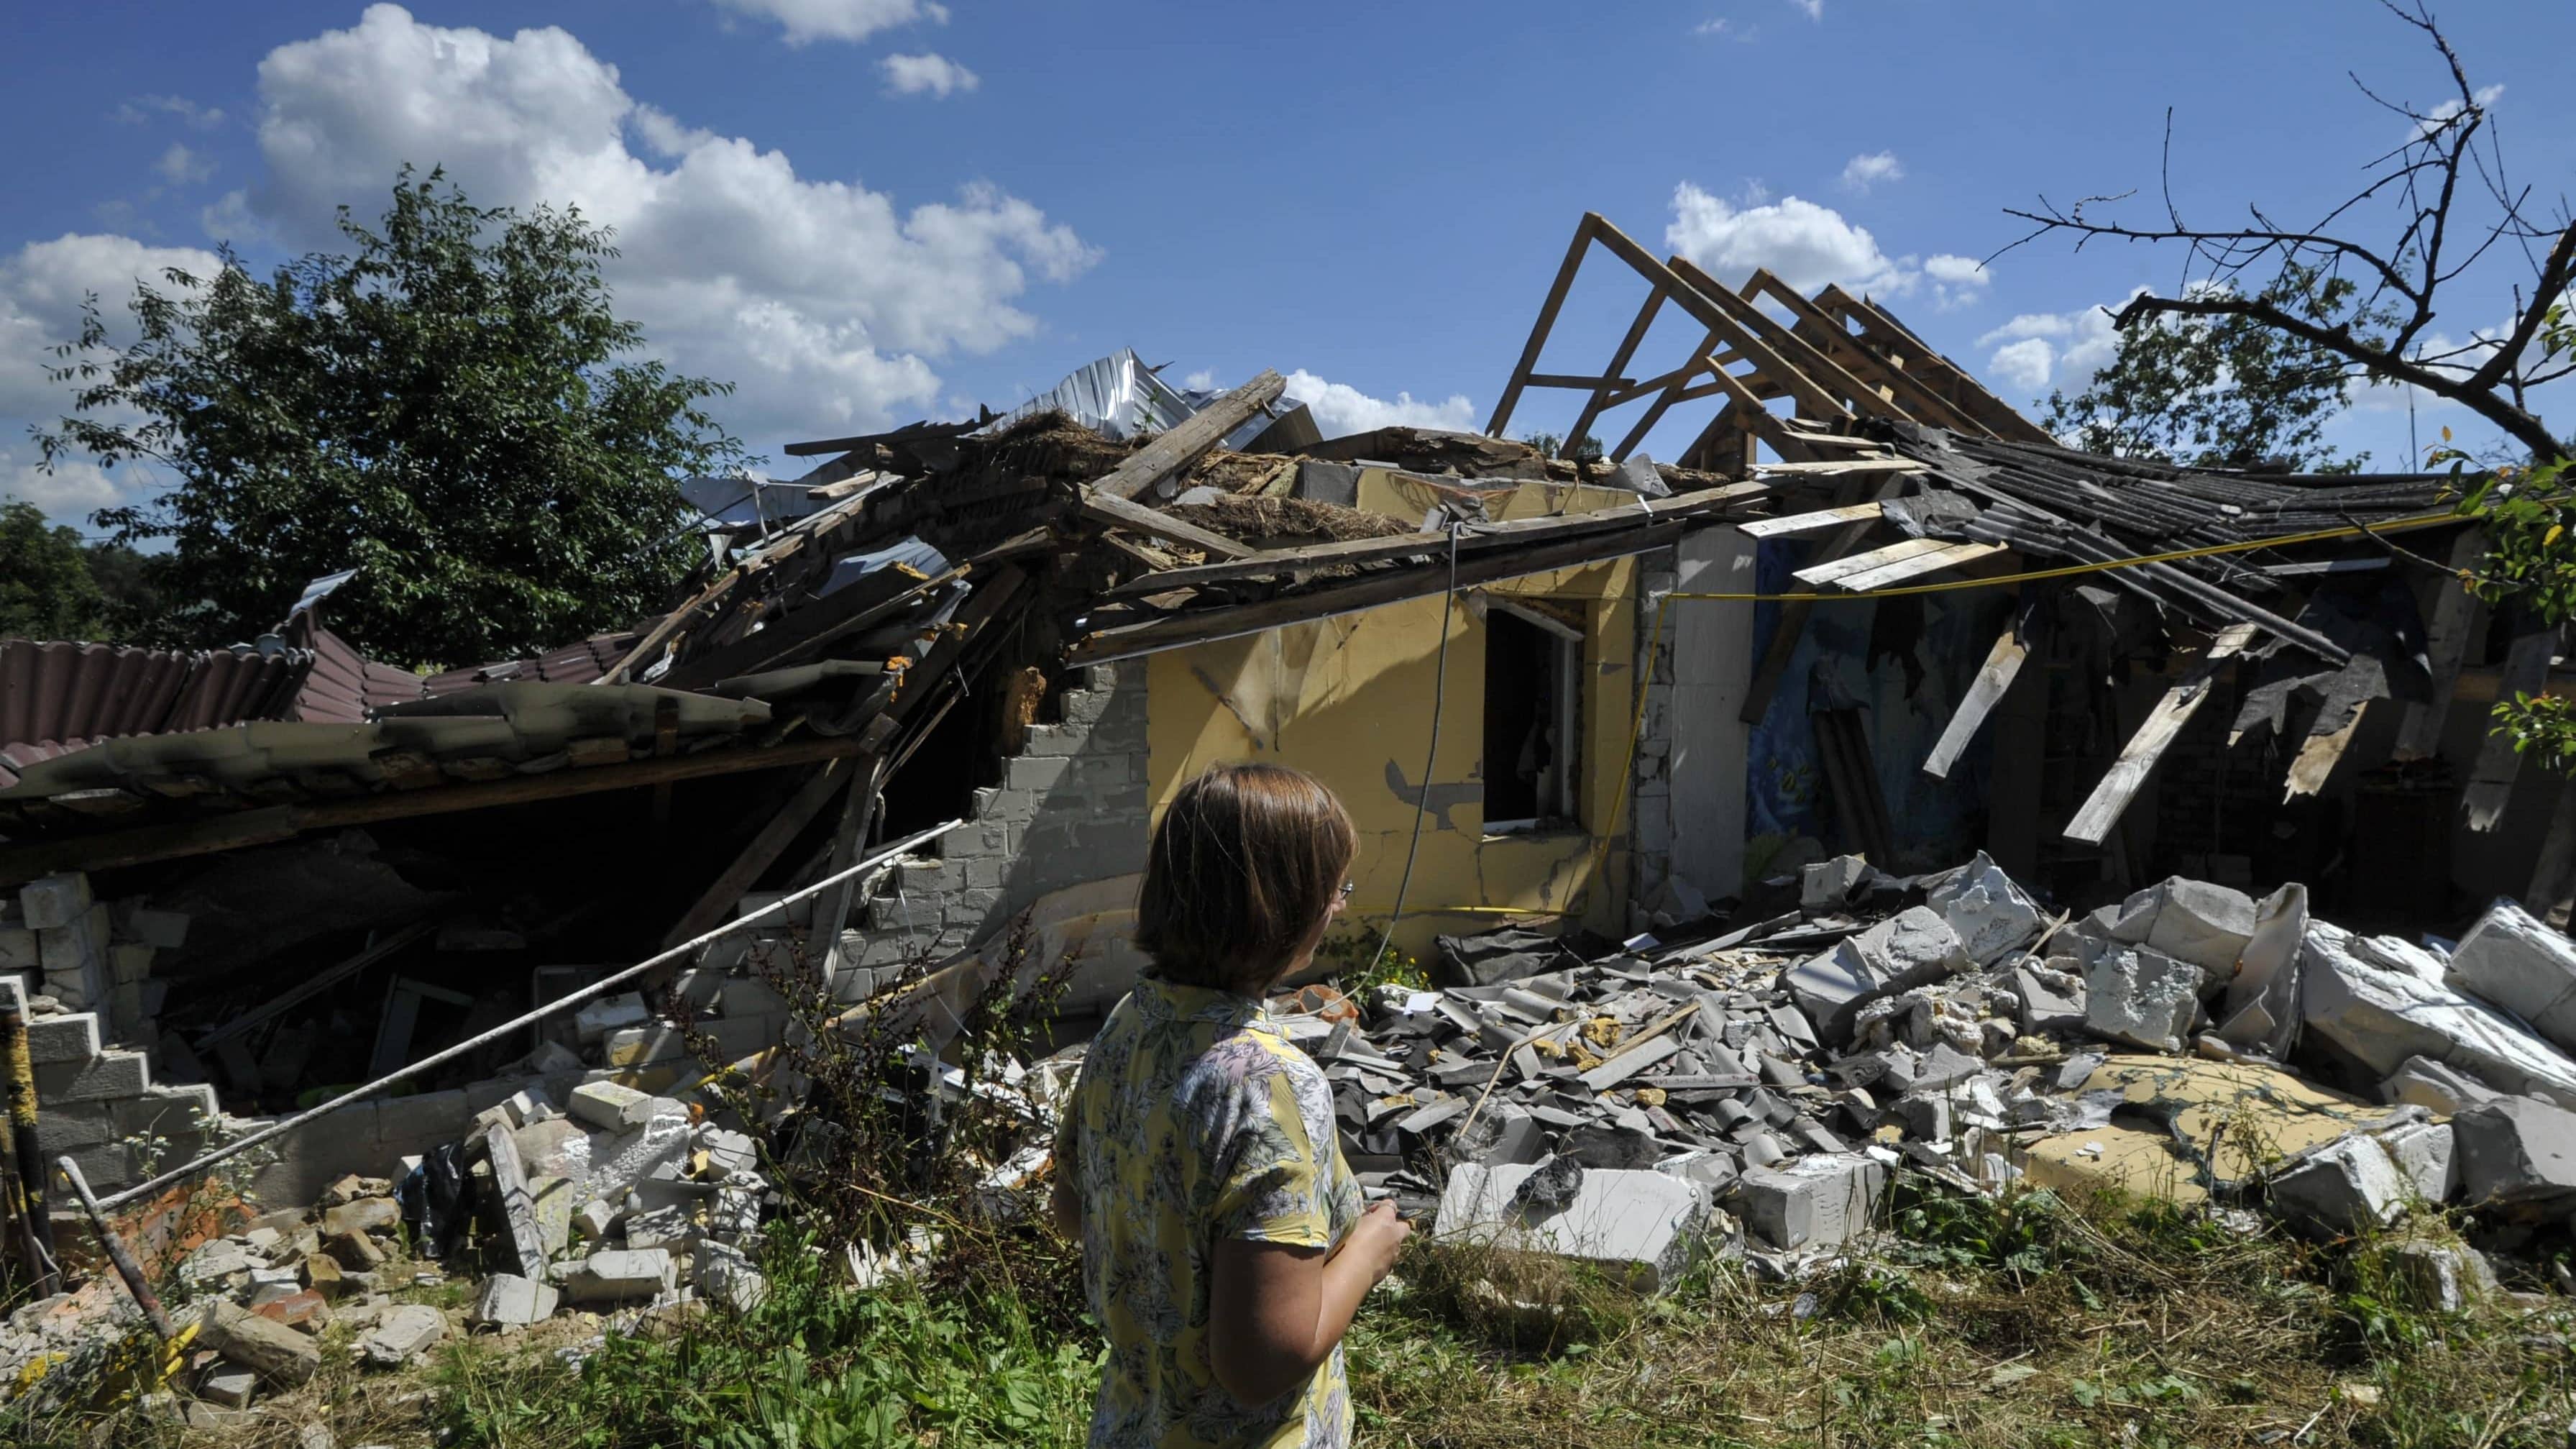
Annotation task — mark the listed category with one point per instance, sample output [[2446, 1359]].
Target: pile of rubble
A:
[[1760, 1087], [624, 1201]]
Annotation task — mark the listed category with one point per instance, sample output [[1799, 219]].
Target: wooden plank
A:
[[1545, 323], [1116, 511], [1285, 561], [2120, 784], [2490, 787], [2446, 643], [1191, 439], [758, 855], [1818, 575], [1388, 587], [1811, 522], [1845, 467], [1994, 678], [1956, 555], [2317, 757], [1585, 384]]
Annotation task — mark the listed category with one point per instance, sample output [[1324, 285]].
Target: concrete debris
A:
[[2422, 1082], [508, 1301], [2139, 995], [1991, 915], [405, 1331], [619, 1276], [1815, 1202], [2518, 1154], [282, 1357], [2384, 1001], [1640, 1226], [2521, 965]]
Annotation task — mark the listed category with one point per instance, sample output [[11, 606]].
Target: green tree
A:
[[46, 591], [2224, 391], [451, 408]]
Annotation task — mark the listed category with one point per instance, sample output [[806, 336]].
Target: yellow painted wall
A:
[[1350, 700]]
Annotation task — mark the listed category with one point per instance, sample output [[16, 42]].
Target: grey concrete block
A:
[[622, 1276], [405, 1331], [2518, 1153], [1640, 1225], [2423, 1082], [2520, 964], [2346, 1187], [2141, 996], [108, 1075], [1991, 913], [71, 1126], [507, 1300], [2207, 925], [1033, 773], [18, 950], [1812, 1202], [54, 901], [72, 1038]]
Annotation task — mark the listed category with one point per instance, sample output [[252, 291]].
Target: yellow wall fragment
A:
[[2241, 1116]]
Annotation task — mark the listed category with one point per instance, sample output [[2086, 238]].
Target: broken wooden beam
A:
[[1120, 513], [1821, 518], [1471, 539], [2120, 784], [1889, 575], [759, 854], [1994, 678], [1189, 440], [2319, 755]]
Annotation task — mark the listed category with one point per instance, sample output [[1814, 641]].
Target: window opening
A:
[[1533, 709]]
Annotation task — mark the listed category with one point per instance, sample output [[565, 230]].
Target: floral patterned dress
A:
[[1195, 1120]]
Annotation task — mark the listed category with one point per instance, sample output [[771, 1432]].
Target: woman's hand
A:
[[1374, 1240]]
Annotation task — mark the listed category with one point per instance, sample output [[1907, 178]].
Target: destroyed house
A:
[[1578, 696]]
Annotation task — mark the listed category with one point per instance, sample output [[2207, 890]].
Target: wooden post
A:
[[35, 1229]]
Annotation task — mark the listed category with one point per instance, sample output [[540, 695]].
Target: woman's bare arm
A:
[[1275, 1312]]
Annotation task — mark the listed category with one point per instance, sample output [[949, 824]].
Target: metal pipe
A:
[[36, 1229], [597, 988], [118, 1253]]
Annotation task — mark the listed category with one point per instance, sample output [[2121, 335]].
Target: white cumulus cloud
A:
[[41, 290], [1864, 171], [807, 21], [1806, 245], [934, 75], [827, 303], [141, 109], [179, 165], [74, 490], [2039, 351], [1340, 409]]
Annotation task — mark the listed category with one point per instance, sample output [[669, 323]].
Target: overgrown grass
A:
[[2018, 1323], [816, 1365]]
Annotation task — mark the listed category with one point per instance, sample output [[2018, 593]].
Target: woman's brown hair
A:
[[1244, 865]]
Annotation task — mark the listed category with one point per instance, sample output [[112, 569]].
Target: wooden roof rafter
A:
[[1837, 357]]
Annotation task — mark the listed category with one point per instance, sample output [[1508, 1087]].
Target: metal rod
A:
[[117, 1253], [36, 1229], [597, 988]]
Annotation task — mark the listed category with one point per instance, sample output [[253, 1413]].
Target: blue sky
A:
[[865, 211]]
